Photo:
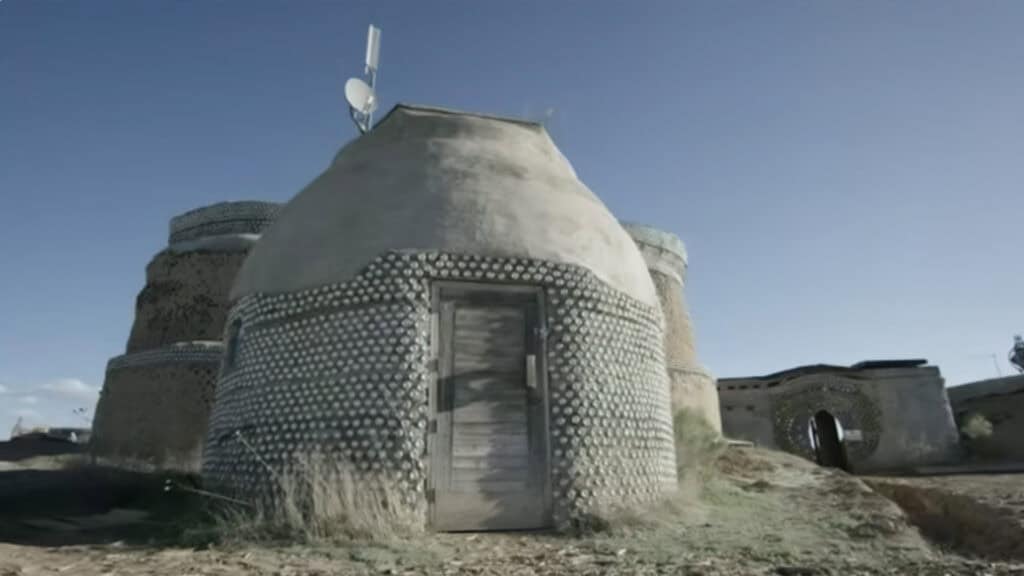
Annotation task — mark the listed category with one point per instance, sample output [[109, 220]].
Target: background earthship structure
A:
[[156, 398], [873, 416], [447, 306]]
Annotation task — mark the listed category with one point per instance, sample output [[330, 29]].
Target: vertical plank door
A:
[[489, 456]]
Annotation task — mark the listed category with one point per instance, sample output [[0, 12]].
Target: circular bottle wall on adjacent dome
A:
[[448, 306]]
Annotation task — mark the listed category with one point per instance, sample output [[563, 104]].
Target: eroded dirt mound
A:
[[776, 508], [975, 516]]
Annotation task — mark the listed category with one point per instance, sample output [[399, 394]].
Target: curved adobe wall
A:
[[343, 369], [185, 298], [188, 283], [156, 398], [223, 218], [155, 405], [693, 387]]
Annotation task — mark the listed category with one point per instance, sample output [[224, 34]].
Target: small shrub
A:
[[976, 426]]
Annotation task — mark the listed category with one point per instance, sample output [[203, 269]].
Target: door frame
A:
[[434, 362]]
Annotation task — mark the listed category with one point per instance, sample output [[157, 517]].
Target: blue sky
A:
[[846, 175]]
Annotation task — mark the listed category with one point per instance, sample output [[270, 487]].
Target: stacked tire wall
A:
[[156, 398]]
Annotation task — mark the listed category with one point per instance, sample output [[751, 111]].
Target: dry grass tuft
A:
[[740, 462], [320, 499]]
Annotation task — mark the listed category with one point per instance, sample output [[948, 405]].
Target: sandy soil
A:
[[760, 513]]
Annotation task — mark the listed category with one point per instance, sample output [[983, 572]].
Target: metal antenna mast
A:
[[362, 97], [1017, 353], [372, 59]]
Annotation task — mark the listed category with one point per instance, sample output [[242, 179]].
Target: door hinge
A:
[[432, 427], [431, 495], [433, 365]]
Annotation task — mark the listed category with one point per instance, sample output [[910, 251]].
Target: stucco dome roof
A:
[[432, 179]]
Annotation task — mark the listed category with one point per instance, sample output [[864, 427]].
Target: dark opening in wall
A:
[[826, 435], [231, 354]]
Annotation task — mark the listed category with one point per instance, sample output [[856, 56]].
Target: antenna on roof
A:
[[362, 97], [1017, 353]]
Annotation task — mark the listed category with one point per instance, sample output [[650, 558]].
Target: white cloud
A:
[[71, 388], [29, 399], [4, 389]]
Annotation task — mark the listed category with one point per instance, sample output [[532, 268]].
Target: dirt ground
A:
[[14, 453], [760, 512]]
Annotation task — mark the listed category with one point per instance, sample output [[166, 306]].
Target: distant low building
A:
[[872, 416], [76, 435], [1000, 401]]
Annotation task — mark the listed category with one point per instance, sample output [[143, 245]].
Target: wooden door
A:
[[489, 465]]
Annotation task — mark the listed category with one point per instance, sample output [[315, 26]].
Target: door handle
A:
[[531, 371]]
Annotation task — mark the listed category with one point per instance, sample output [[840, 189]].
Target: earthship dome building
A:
[[449, 306], [693, 387], [156, 398]]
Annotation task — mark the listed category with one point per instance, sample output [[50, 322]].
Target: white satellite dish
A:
[[360, 96]]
